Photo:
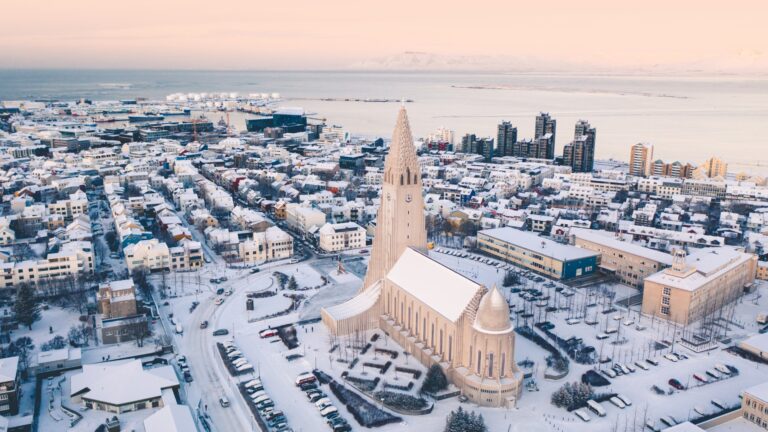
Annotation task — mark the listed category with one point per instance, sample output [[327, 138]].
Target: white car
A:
[[218, 301]]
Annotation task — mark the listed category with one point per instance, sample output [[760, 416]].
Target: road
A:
[[212, 380]]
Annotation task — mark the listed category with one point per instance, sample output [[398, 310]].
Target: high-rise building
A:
[[471, 144], [506, 139], [580, 153], [712, 167], [544, 147], [640, 159], [442, 135], [467, 143], [545, 124]]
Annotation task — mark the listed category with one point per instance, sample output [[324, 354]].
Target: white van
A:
[[328, 411], [179, 329], [253, 383], [260, 399], [596, 408], [624, 399], [616, 401], [243, 367], [580, 413]]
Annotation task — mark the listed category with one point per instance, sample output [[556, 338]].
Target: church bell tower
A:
[[400, 219]]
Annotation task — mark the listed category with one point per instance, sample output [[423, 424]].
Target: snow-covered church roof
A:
[[447, 292]]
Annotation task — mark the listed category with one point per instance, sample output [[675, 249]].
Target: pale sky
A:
[[300, 34]]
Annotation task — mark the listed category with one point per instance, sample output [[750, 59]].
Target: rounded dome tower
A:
[[493, 312]]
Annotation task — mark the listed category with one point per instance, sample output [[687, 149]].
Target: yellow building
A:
[[754, 405], [629, 262], [699, 283]]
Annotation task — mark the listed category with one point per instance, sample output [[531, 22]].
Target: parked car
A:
[[224, 401], [255, 270], [676, 384], [188, 377], [218, 301], [221, 332], [220, 291], [204, 324]]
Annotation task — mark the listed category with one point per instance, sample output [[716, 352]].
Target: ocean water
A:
[[687, 118]]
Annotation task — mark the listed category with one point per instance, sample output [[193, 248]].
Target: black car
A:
[[255, 270], [220, 291], [221, 332], [188, 377]]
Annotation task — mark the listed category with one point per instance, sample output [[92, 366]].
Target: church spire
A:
[[400, 219], [401, 163]]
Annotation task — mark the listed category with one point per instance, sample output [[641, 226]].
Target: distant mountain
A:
[[413, 60], [748, 62]]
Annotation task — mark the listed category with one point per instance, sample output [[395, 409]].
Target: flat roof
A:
[[609, 239], [708, 264], [538, 244]]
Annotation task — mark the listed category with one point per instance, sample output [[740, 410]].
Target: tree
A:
[[292, 285], [463, 421], [435, 380], [27, 305], [511, 278], [58, 342]]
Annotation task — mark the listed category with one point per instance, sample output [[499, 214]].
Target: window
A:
[[665, 310], [667, 291]]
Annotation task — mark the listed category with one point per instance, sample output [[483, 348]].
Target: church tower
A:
[[400, 220]]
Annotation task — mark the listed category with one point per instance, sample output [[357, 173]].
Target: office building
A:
[[698, 284], [536, 253]]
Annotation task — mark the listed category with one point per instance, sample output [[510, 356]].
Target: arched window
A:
[[417, 324], [441, 341], [424, 328], [401, 179], [415, 179], [450, 348], [432, 340], [490, 365], [408, 174], [479, 360], [503, 364]]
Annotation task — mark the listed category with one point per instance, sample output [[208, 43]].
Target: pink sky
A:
[[336, 33]]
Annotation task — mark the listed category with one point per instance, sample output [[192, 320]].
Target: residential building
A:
[[342, 236], [506, 139], [640, 160], [9, 386]]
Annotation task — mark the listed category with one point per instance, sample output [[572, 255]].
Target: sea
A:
[[686, 118]]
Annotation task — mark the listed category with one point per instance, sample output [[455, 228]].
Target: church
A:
[[436, 314]]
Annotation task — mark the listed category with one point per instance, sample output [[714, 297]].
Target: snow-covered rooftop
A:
[[609, 239], [708, 264], [118, 383], [435, 285], [172, 418], [535, 243]]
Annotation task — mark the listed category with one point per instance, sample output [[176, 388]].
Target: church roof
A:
[[442, 289], [493, 313]]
